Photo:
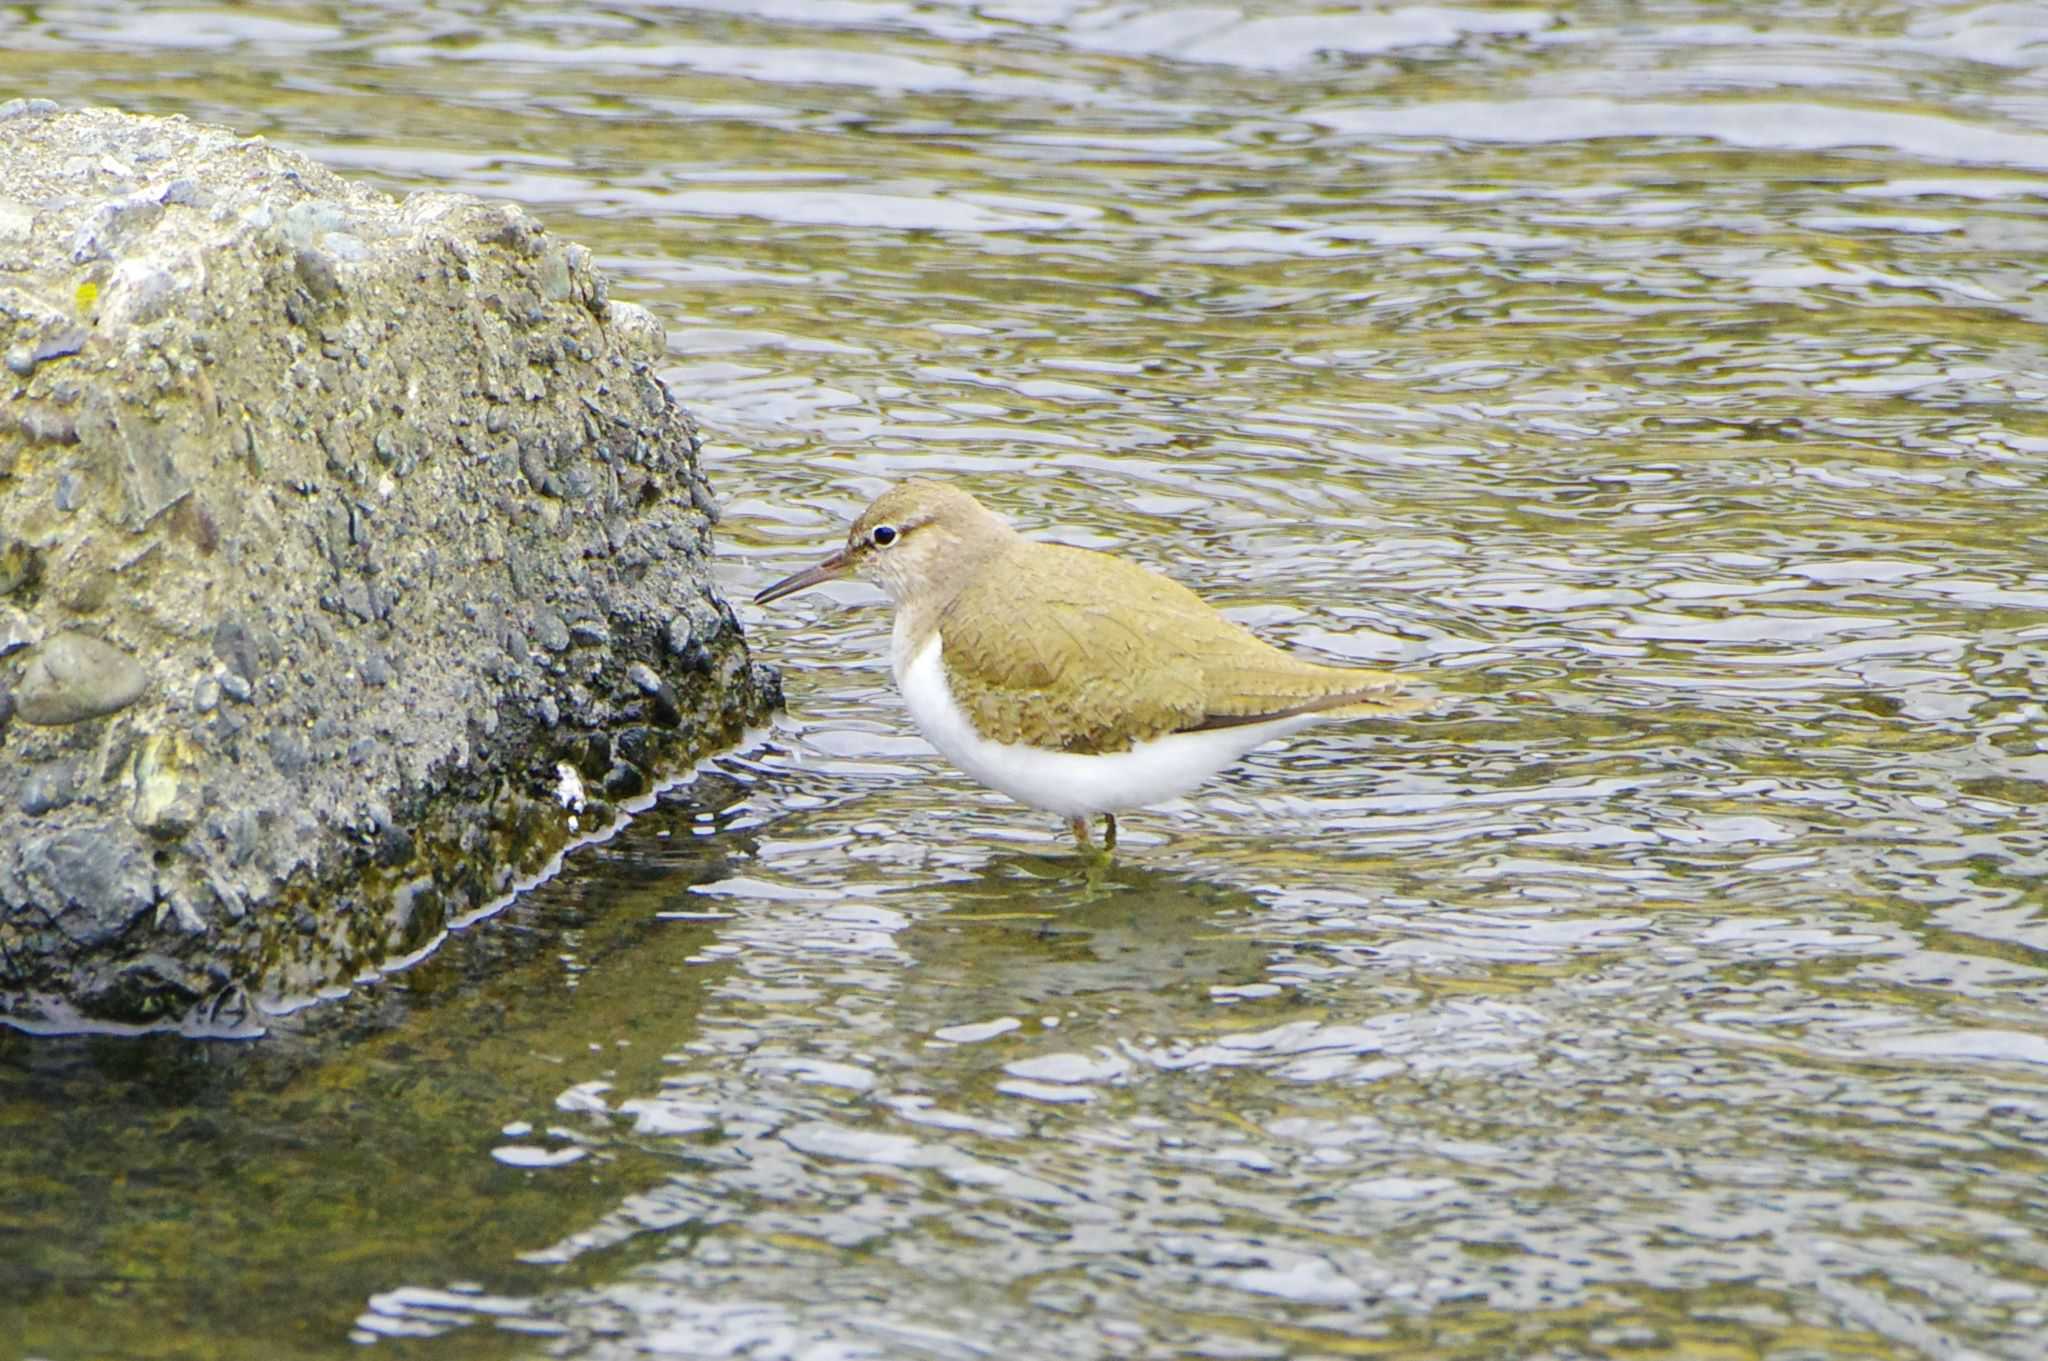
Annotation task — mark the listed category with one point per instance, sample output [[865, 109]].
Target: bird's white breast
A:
[[1068, 783]]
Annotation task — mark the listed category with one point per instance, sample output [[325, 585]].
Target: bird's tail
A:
[[1378, 700]]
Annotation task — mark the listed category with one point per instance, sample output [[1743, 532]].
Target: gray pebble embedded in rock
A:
[[307, 222], [235, 645], [111, 224], [49, 789], [316, 272], [668, 710], [635, 744], [73, 676], [642, 675], [624, 781], [137, 295], [638, 329], [350, 249], [289, 751], [61, 343], [550, 632]]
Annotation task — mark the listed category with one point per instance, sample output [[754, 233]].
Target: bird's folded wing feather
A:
[[1064, 648]]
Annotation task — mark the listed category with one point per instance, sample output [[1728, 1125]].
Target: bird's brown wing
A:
[[1078, 651]]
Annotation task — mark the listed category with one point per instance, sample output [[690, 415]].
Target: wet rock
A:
[[591, 754], [155, 987], [71, 677], [668, 707], [637, 745], [624, 781], [395, 845], [315, 499]]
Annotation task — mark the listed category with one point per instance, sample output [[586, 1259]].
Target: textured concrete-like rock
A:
[[331, 524]]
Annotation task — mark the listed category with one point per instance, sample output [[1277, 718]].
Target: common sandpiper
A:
[[1068, 679]]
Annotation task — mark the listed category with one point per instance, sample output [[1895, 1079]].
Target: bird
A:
[[1072, 680]]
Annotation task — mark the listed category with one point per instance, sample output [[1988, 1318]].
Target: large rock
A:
[[332, 526]]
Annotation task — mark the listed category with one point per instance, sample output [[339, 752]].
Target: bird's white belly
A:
[[1068, 783]]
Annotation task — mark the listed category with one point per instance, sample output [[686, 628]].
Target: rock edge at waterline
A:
[[331, 526]]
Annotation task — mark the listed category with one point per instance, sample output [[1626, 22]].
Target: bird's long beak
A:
[[832, 568]]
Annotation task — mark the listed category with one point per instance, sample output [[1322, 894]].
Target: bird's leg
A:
[[1109, 831], [1094, 863]]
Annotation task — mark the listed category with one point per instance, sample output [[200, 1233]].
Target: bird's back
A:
[[1076, 650]]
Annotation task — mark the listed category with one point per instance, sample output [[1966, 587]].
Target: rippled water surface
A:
[[1661, 383]]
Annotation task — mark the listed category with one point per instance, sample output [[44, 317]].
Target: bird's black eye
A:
[[883, 536]]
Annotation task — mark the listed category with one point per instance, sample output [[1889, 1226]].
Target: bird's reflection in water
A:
[[1030, 931]]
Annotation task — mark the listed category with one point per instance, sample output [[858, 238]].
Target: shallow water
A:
[[1663, 388]]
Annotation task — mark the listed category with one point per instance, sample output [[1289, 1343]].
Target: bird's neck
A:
[[919, 612]]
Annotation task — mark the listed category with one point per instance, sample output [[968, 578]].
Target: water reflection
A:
[[1665, 389]]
